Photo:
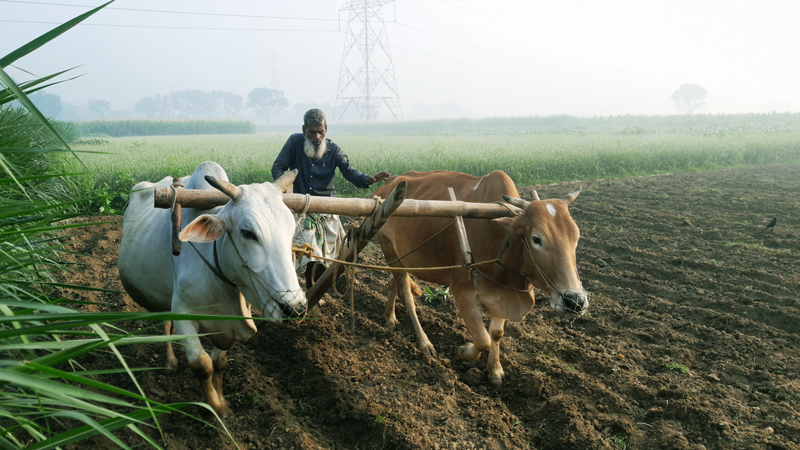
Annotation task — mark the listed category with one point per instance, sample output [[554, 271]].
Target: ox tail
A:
[[416, 291]]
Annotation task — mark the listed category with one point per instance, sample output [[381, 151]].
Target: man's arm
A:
[[283, 161], [349, 172]]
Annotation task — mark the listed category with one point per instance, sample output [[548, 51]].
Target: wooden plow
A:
[[376, 210]]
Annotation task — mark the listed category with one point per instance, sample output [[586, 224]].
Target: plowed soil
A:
[[690, 342]]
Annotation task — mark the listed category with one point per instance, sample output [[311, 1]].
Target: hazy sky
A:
[[500, 58]]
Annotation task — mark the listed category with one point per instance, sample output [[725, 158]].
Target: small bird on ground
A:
[[772, 223]]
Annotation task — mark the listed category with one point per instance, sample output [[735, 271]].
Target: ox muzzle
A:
[[290, 312], [574, 302], [285, 305]]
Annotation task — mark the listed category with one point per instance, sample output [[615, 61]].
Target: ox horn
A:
[[224, 186], [518, 202], [286, 180], [534, 195], [572, 196]]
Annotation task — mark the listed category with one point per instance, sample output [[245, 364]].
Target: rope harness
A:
[[276, 295], [307, 250]]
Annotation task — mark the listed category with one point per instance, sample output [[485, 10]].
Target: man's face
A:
[[315, 133]]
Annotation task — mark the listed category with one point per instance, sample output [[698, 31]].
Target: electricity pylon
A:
[[373, 82]]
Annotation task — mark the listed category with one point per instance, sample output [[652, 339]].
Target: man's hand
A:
[[381, 176]]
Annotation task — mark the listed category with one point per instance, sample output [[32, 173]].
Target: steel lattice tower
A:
[[373, 83]]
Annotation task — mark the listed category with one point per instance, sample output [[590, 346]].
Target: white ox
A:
[[248, 241]]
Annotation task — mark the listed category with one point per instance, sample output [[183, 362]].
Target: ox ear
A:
[[572, 196], [518, 202], [227, 188], [206, 228], [286, 180], [505, 222]]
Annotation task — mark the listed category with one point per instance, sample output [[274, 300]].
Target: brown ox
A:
[[540, 251]]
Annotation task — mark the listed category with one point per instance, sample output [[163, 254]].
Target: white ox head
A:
[[550, 241], [254, 232]]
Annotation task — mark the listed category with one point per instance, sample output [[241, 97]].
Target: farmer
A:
[[316, 160]]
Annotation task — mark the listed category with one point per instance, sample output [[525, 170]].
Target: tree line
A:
[[262, 102], [194, 104], [186, 104]]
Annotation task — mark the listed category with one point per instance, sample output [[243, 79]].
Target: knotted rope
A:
[[174, 186]]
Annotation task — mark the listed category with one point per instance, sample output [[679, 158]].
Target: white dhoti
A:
[[324, 232]]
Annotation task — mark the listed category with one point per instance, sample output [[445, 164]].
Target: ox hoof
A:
[[391, 324], [427, 349], [226, 412], [468, 352], [222, 410], [496, 379], [172, 367]]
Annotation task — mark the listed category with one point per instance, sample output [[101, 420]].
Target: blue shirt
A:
[[315, 178]]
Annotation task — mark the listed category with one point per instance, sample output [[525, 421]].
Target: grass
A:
[[436, 295], [141, 127], [528, 159], [48, 400], [679, 368]]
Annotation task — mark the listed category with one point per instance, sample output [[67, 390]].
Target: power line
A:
[[490, 69], [519, 59], [527, 30], [167, 28], [485, 9], [503, 43], [251, 16]]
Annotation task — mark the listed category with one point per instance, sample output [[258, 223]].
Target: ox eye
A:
[[536, 240], [249, 235]]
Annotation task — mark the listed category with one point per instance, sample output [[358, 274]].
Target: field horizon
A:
[[546, 154]]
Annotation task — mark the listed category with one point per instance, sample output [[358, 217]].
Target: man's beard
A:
[[314, 152]]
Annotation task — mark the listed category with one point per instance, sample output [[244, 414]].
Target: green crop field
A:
[[528, 157], [144, 127]]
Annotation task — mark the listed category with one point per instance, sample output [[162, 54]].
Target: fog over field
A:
[[452, 58]]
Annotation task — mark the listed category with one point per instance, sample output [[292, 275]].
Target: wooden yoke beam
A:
[[354, 207], [358, 240]]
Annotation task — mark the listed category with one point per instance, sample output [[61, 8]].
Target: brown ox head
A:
[[550, 238]]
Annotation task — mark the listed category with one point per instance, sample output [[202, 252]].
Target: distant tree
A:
[[48, 104], [450, 109], [226, 104], [191, 103], [153, 107], [266, 102], [100, 107], [689, 97]]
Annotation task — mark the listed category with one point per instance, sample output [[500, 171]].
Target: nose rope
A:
[[268, 287], [547, 281]]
